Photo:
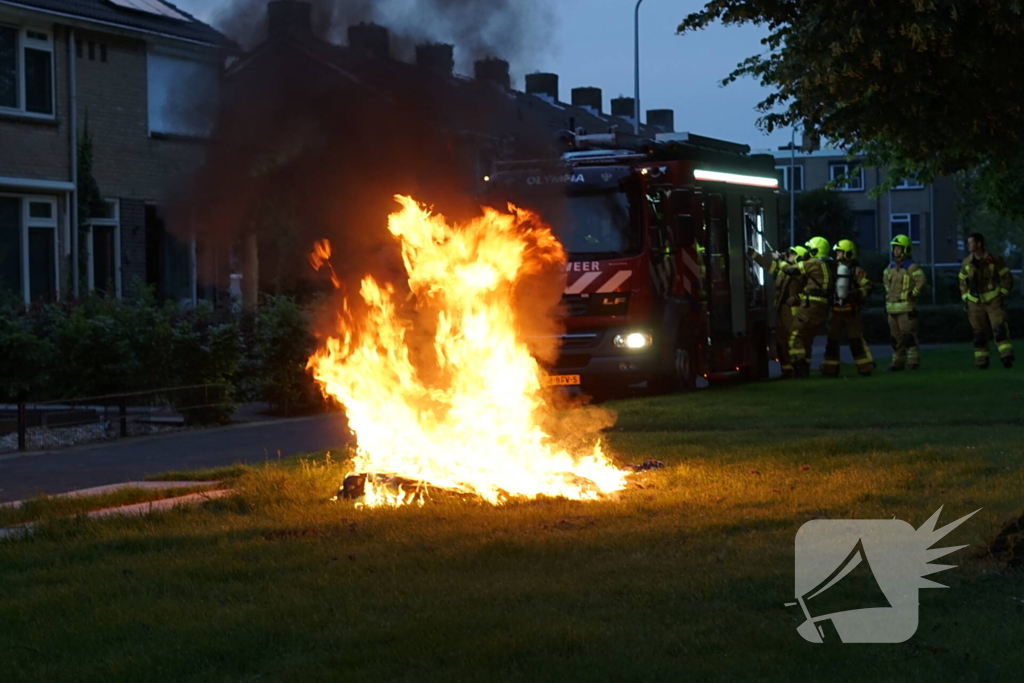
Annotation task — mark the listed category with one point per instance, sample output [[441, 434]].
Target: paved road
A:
[[22, 476], [58, 471]]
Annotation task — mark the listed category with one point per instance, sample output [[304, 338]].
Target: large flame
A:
[[450, 395]]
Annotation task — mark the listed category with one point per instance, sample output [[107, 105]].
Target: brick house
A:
[[141, 76], [922, 211]]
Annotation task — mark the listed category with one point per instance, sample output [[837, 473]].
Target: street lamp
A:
[[636, 68], [792, 188]]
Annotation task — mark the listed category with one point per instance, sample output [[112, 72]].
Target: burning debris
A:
[[439, 385]]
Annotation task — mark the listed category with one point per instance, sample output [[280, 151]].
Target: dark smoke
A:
[[511, 29], [302, 152]]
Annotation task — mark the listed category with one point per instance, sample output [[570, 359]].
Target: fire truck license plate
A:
[[563, 380]]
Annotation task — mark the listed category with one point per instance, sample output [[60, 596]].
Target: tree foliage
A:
[[820, 212], [930, 87]]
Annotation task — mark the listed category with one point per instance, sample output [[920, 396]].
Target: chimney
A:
[[662, 119], [289, 16], [624, 107], [810, 141], [438, 58], [588, 98], [492, 70], [371, 39], [543, 84]]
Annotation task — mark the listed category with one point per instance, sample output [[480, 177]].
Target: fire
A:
[[449, 395]]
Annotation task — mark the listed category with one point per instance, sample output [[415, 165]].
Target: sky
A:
[[592, 45]]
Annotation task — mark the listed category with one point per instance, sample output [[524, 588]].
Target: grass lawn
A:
[[683, 577]]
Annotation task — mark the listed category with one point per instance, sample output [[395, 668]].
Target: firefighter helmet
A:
[[847, 247], [902, 241], [801, 252], [818, 246]]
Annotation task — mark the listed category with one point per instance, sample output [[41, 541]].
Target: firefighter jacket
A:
[[818, 277], [984, 279], [786, 285], [904, 282], [859, 289]]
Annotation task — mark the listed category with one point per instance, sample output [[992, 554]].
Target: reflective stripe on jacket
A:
[[985, 279], [904, 283]]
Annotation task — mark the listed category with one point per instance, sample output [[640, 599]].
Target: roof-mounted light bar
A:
[[735, 178]]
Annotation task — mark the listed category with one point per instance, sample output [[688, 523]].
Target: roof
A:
[[484, 108], [107, 13]]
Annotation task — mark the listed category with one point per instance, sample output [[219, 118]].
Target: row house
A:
[[140, 77], [924, 211]]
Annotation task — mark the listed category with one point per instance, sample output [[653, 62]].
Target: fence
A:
[[66, 422]]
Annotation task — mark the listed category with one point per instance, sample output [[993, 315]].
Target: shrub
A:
[[204, 348], [282, 344], [938, 324]]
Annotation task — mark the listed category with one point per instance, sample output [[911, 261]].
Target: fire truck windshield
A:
[[596, 224]]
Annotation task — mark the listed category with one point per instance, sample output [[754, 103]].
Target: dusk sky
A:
[[593, 46]]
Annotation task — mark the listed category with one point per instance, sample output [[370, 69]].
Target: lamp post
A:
[[792, 188], [636, 68]]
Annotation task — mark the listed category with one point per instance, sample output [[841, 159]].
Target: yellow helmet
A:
[[801, 252], [818, 246], [848, 247], [902, 241]]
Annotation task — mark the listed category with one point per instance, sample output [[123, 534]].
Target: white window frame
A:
[[115, 223], [909, 183], [858, 178], [27, 223], [25, 41], [798, 171], [904, 219]]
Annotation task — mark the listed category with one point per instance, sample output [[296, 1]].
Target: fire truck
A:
[[659, 290]]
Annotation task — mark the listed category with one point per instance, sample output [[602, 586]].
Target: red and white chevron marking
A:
[[596, 282]]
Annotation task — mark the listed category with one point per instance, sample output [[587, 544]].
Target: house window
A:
[[798, 177], [908, 183], [104, 246], [848, 177], [28, 247], [906, 224], [26, 71], [183, 95]]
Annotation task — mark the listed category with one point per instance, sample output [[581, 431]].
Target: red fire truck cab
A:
[[659, 287]]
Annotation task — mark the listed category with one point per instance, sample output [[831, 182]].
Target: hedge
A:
[[939, 324]]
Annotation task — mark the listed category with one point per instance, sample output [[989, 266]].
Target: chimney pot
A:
[[369, 38], [493, 70], [543, 84], [662, 119], [587, 97], [284, 16], [436, 57]]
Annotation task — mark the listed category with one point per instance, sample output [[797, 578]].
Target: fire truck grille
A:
[[586, 340], [572, 360], [577, 305]]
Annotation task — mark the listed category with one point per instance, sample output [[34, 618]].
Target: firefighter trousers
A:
[[806, 321], [848, 321], [989, 315], [783, 326], [903, 335]]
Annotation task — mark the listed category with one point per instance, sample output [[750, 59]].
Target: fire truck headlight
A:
[[633, 340]]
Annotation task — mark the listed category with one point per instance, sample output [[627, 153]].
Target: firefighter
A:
[[904, 282], [787, 289], [850, 289], [812, 303], [985, 284]]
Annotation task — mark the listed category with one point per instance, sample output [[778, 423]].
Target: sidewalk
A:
[[23, 475]]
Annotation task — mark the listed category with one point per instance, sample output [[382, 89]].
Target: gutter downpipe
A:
[[73, 133]]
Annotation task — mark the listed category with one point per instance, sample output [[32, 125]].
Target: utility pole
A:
[[636, 68]]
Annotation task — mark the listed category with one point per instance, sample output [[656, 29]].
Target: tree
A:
[[925, 87], [821, 212], [1004, 234]]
